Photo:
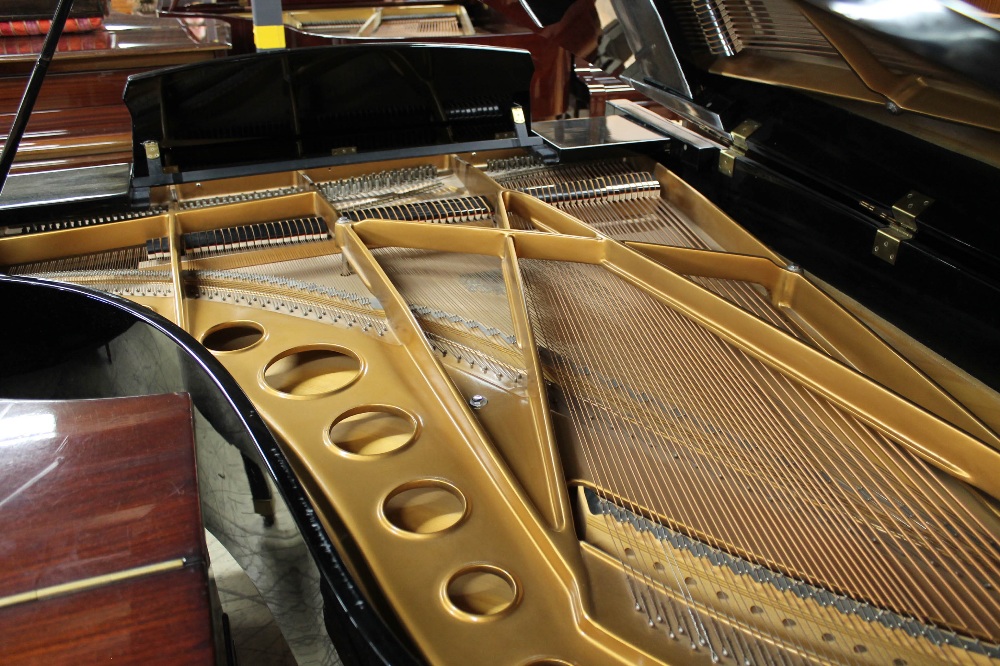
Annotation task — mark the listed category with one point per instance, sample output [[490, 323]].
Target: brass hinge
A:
[[738, 147], [153, 162], [902, 227], [520, 126], [152, 150]]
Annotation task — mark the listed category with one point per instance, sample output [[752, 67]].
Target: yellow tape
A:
[[269, 36]]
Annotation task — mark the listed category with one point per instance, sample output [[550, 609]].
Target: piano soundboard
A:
[[565, 392]]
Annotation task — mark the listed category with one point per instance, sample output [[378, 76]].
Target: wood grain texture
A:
[[86, 123], [68, 91], [71, 123], [161, 619], [93, 487]]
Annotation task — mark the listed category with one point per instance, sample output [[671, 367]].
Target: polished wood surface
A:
[[95, 489], [162, 619], [123, 39], [79, 117]]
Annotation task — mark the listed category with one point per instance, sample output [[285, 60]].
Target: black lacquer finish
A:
[[819, 202], [75, 343], [953, 34], [320, 106]]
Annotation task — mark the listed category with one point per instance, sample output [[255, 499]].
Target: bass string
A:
[[555, 313], [610, 459], [681, 392]]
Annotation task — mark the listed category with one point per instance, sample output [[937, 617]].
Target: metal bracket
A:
[[738, 147], [902, 227], [152, 150], [520, 127]]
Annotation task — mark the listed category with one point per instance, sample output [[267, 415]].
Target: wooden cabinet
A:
[[103, 548]]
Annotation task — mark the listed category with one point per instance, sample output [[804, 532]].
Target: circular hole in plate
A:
[[425, 507], [482, 590], [233, 336], [312, 371], [373, 430]]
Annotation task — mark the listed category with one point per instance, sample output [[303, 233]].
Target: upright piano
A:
[[79, 118], [710, 380]]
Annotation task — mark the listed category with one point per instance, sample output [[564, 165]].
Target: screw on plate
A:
[[478, 401]]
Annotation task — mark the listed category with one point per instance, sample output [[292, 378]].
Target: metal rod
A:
[[31, 90]]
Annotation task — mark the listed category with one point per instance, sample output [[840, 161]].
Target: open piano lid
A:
[[827, 118], [321, 106]]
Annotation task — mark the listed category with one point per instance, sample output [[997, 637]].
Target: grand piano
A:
[[712, 379]]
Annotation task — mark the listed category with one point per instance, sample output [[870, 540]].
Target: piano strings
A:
[[748, 515], [689, 428]]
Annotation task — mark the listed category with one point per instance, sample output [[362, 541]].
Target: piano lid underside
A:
[[587, 409]]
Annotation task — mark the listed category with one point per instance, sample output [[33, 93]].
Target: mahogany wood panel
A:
[[72, 123], [87, 77], [79, 120], [69, 162], [68, 91], [92, 487], [161, 619], [59, 138]]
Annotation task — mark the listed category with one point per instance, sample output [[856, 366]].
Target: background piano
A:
[[79, 118], [313, 23]]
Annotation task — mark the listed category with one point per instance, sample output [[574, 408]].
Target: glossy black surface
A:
[[819, 203], [323, 106], [69, 192], [73, 343], [953, 34]]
